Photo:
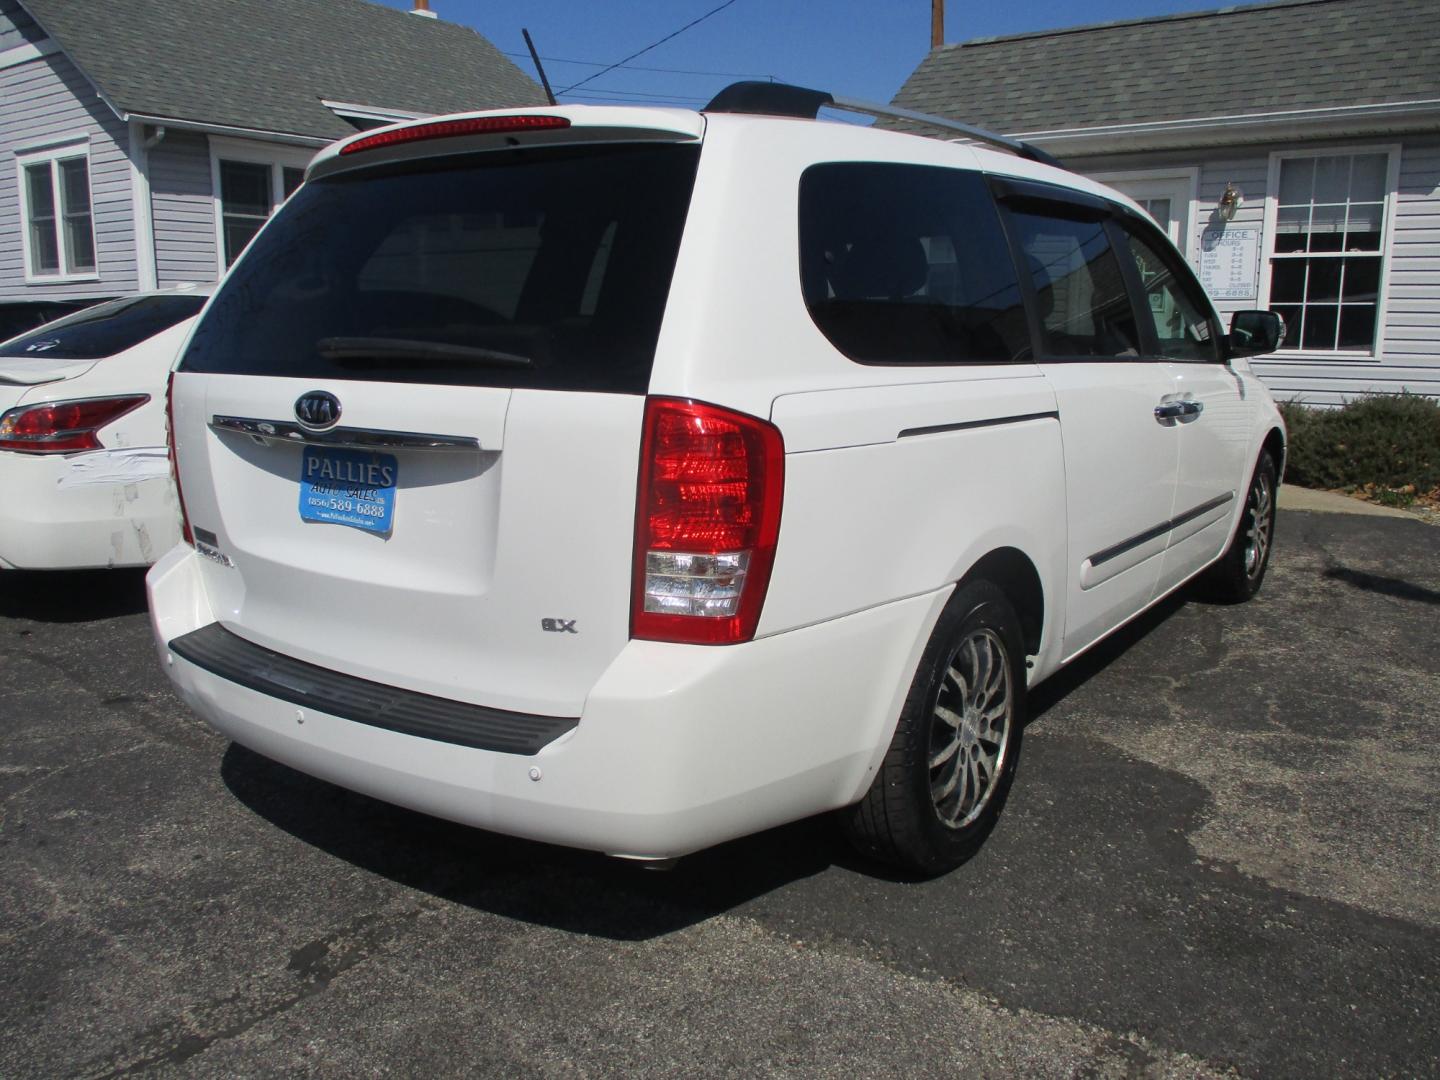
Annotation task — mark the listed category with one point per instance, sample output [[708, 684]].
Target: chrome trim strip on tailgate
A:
[[354, 438], [226, 654]]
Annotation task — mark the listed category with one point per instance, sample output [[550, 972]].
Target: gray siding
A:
[[1412, 325], [184, 211], [48, 100], [1408, 353], [16, 27]]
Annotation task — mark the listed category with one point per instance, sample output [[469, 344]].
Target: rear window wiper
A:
[[380, 348]]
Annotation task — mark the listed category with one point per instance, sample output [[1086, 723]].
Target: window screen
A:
[[44, 246], [1080, 293], [1326, 267], [907, 264], [245, 204], [59, 220]]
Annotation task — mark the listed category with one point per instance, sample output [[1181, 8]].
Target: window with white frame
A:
[[249, 190], [1326, 263], [59, 226]]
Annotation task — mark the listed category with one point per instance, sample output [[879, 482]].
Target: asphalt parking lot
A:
[[1221, 855]]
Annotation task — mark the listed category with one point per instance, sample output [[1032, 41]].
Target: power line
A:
[[642, 67], [638, 96], [642, 52]]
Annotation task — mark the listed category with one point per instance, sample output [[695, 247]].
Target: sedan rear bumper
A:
[[106, 508]]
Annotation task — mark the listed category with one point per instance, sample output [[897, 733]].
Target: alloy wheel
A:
[[970, 731]]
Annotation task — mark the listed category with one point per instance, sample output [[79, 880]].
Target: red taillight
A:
[[444, 129], [174, 464], [707, 517], [63, 427]]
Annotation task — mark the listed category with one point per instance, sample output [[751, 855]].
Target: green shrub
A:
[[1386, 445]]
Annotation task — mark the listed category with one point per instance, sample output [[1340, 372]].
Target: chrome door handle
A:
[[1183, 410]]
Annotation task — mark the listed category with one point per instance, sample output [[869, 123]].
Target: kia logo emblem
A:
[[317, 410], [43, 346]]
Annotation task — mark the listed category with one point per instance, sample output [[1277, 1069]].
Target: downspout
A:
[[142, 206]]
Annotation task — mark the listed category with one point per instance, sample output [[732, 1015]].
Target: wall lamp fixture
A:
[[1230, 201]]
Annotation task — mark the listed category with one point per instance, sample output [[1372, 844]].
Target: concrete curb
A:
[[1328, 502]]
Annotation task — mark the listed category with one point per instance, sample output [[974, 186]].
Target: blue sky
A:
[[853, 47]]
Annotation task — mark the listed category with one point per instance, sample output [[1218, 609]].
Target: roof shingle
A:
[[1301, 54], [266, 64]]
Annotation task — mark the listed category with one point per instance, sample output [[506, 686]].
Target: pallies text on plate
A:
[[369, 474]]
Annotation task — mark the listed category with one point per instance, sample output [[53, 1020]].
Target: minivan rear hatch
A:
[[408, 425]]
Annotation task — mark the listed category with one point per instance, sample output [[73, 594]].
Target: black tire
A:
[[1241, 570], [903, 819]]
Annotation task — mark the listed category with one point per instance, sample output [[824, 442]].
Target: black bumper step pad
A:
[[255, 667]]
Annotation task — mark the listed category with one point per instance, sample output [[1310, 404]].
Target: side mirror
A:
[[1254, 332]]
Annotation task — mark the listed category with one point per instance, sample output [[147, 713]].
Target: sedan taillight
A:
[[707, 519], [63, 427]]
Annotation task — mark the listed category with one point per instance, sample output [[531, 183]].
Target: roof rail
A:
[[782, 99]]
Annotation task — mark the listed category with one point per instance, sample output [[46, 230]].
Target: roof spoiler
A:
[[782, 99]]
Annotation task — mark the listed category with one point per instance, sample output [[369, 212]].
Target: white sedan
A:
[[84, 467]]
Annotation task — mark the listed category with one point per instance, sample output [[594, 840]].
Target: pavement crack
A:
[[48, 772], [310, 970]]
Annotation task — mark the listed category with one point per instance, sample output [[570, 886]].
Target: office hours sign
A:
[[1230, 263]]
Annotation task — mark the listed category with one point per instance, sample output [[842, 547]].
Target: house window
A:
[[249, 193], [1326, 264], [59, 225], [245, 203]]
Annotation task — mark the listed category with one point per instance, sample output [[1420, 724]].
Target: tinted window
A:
[[105, 329], [907, 264], [541, 269], [1181, 320], [1083, 306]]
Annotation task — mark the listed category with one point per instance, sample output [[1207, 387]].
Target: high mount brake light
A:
[[174, 464], [707, 518], [445, 129], [63, 427]]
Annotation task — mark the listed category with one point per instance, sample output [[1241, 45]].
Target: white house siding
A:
[[1408, 356], [184, 209], [47, 100]]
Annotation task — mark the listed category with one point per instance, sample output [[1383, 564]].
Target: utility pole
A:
[[937, 23]]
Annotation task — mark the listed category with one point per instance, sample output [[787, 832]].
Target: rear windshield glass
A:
[[524, 268], [907, 264], [105, 329]]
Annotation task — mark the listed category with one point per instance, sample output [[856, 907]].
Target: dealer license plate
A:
[[348, 487]]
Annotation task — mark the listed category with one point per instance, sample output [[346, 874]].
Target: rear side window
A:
[[1080, 293], [546, 269], [105, 329], [907, 264]]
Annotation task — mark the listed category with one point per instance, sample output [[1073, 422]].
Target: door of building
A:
[[1165, 198]]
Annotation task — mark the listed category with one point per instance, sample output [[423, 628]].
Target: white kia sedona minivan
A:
[[635, 479]]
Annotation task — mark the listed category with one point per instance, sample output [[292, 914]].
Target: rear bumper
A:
[[86, 511], [678, 747]]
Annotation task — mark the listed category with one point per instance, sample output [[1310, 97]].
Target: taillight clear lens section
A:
[[444, 129], [174, 464], [63, 427], [707, 518]]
